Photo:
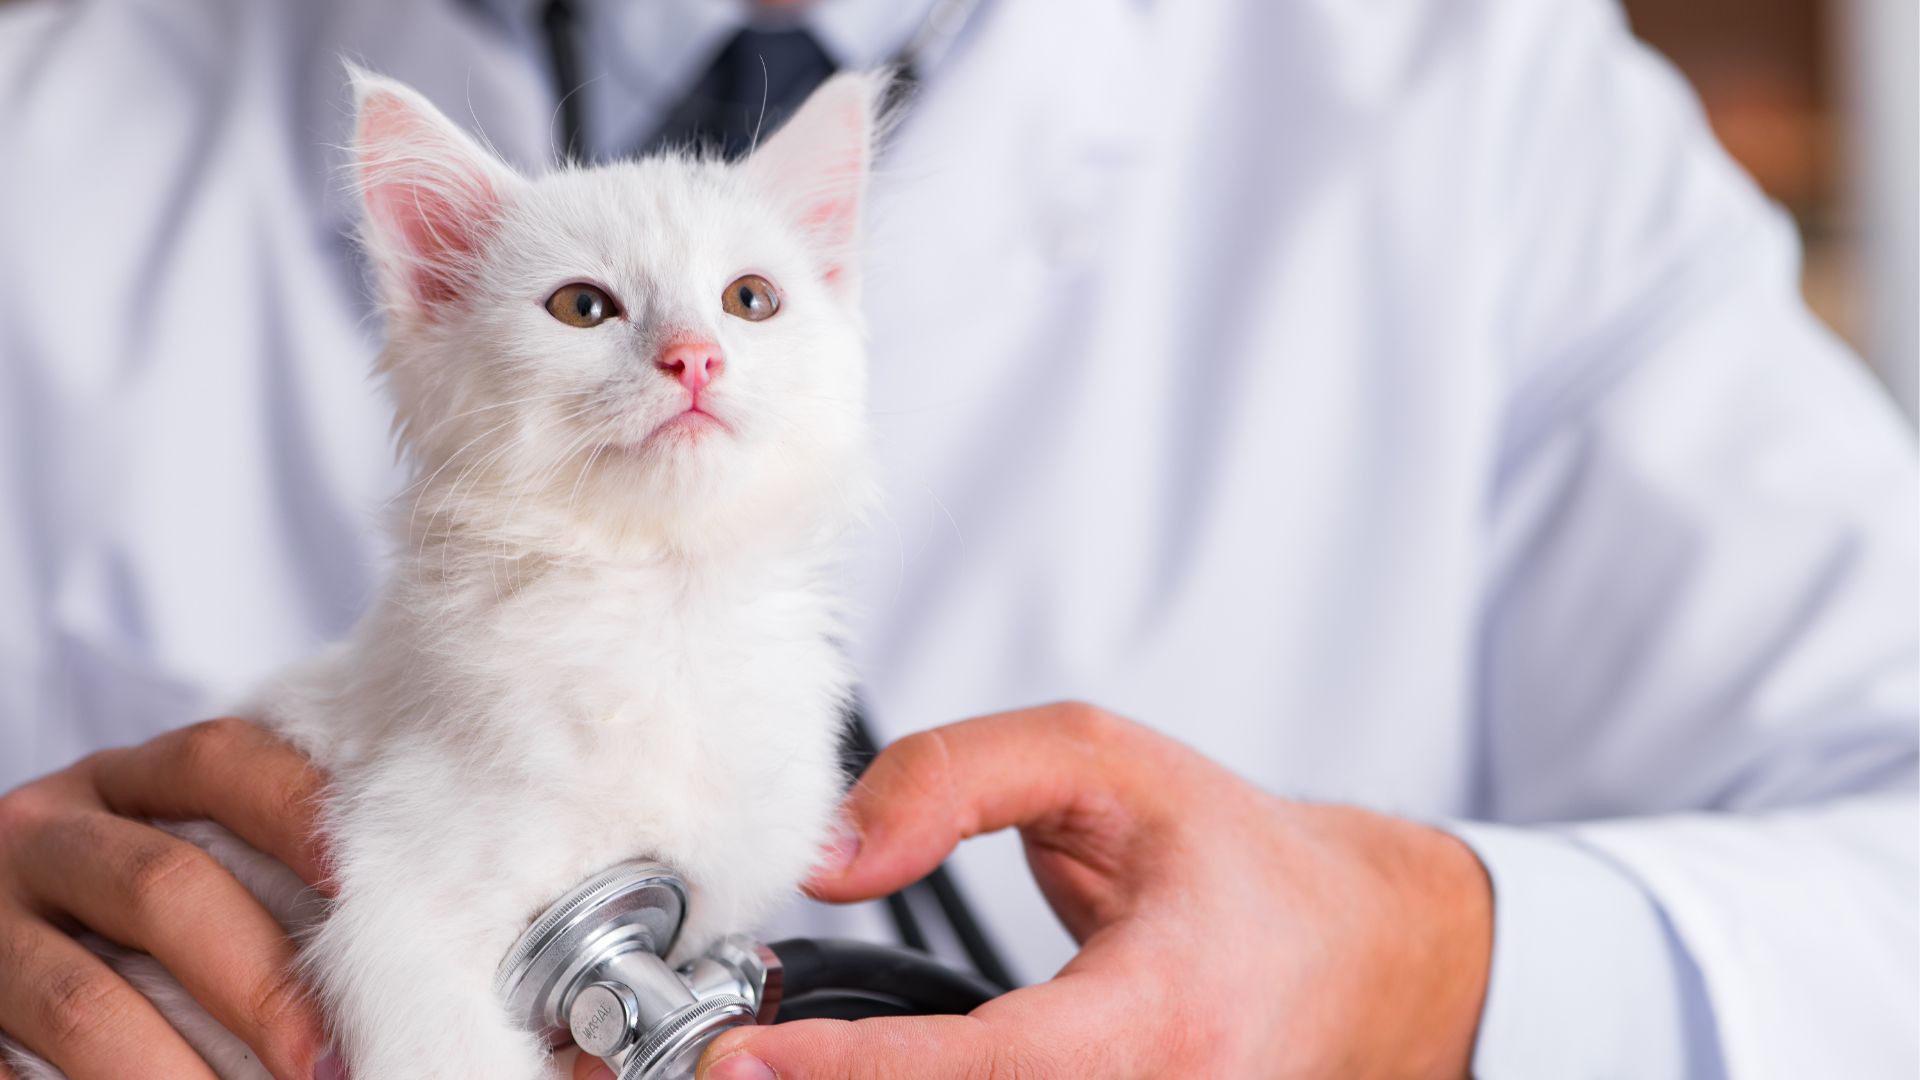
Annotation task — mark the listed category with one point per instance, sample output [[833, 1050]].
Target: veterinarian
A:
[[1403, 415]]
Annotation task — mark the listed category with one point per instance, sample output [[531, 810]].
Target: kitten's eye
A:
[[581, 305], [751, 298]]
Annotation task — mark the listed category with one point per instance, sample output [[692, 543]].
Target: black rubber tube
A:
[[922, 984], [858, 748], [906, 923], [979, 948]]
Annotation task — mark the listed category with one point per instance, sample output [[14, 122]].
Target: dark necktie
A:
[[755, 83]]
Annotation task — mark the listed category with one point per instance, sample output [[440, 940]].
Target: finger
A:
[[229, 771], [591, 1068], [149, 891], [1061, 771], [66, 1005], [1048, 1031], [928, 1048]]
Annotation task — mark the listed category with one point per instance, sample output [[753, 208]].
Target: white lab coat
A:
[[1402, 403]]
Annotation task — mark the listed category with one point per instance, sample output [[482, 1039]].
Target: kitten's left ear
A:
[[817, 165]]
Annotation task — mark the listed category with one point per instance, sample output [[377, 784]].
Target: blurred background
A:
[[1820, 100]]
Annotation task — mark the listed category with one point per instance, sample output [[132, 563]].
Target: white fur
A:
[[592, 646]]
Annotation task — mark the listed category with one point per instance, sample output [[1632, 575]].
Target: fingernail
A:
[[600, 1072], [840, 852], [330, 1067], [740, 1066]]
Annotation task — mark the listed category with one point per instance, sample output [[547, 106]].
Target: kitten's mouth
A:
[[690, 426]]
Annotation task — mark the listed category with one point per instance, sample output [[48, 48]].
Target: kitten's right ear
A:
[[432, 195]]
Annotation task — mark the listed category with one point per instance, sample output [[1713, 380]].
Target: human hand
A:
[[75, 852], [1223, 932]]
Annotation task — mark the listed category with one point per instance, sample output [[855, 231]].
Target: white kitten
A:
[[634, 399]]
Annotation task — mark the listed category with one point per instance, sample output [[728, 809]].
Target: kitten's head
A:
[[661, 351]]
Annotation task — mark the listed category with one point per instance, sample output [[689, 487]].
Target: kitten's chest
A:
[[604, 681], [706, 738], [616, 655], [588, 726]]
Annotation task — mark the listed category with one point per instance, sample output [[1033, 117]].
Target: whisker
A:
[[473, 412], [414, 516], [474, 469], [584, 470]]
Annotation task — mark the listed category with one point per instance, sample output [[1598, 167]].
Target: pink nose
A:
[[694, 363]]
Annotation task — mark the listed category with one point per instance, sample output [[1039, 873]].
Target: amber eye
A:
[[751, 298], [581, 305]]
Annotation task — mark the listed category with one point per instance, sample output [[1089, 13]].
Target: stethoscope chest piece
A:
[[592, 968]]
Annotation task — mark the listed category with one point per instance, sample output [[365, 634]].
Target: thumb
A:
[[1028, 769], [1073, 1026], [591, 1068], [929, 1048]]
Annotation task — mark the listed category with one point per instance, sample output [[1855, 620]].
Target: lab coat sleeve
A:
[[1572, 930], [1700, 641]]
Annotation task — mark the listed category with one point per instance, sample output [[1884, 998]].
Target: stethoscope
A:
[[592, 968], [938, 30]]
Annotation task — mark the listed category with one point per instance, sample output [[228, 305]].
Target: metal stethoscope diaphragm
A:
[[592, 970]]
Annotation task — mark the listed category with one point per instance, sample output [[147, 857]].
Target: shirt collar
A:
[[637, 57], [857, 33]]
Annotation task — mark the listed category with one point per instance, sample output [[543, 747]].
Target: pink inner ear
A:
[[436, 231], [834, 213], [832, 216], [425, 199], [835, 220], [816, 166]]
